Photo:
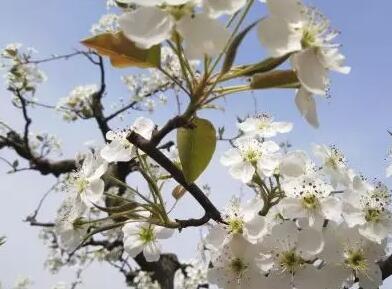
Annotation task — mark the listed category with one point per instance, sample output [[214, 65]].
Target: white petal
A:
[[151, 252], [131, 229], [282, 127], [133, 246], [288, 10], [217, 8], [249, 125], [146, 26], [146, 3], [270, 146], [144, 127], [163, 233], [332, 209], [243, 171], [372, 278], [353, 217], [310, 242], [278, 36], [293, 164], [116, 152], [231, 157], [310, 71], [291, 208], [307, 106], [202, 35], [255, 228], [93, 193], [375, 232]]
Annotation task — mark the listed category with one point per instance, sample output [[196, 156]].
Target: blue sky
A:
[[355, 118]]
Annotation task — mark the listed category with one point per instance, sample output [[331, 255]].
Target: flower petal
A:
[[278, 36], [202, 35], [307, 106], [146, 26], [310, 71]]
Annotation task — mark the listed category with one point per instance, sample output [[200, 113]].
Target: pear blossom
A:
[[120, 149], [235, 266], [368, 208], [349, 255], [240, 219], [155, 21], [249, 156], [334, 164], [143, 237], [264, 126], [295, 28], [86, 181], [287, 254], [69, 232], [310, 197]]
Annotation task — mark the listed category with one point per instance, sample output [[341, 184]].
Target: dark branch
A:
[[150, 149], [97, 99]]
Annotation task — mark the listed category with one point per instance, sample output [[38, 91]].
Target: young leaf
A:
[[235, 44], [275, 79], [196, 146], [122, 51]]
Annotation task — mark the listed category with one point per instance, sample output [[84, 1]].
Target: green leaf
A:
[[196, 146], [122, 51], [275, 79], [233, 48], [266, 65]]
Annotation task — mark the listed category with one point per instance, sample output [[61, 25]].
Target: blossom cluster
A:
[[21, 75], [78, 104], [308, 221]]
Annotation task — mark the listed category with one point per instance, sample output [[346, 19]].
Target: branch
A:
[[153, 152], [44, 166], [57, 57], [97, 98], [133, 103]]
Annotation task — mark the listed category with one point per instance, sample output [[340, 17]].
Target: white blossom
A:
[[295, 28], [349, 255], [249, 156], [334, 164], [368, 208], [152, 23], [143, 237], [235, 266], [310, 197], [286, 253], [119, 149], [264, 126], [241, 219], [86, 181]]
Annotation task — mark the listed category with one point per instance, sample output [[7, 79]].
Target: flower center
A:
[[290, 261], [81, 185], [236, 226], [308, 38], [179, 11], [356, 260], [373, 215], [310, 201], [252, 156], [147, 234], [238, 266]]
